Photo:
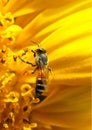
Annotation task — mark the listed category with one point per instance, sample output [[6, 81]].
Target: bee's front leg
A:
[[34, 53], [35, 70]]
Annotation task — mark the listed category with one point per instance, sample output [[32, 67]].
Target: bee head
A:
[[40, 50]]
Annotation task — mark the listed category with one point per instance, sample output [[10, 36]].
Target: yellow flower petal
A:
[[68, 26], [19, 8], [61, 18], [66, 107]]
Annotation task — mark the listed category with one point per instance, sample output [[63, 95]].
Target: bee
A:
[[41, 66]]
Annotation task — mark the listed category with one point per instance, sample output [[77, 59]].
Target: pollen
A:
[[8, 29], [17, 97], [16, 106], [6, 19]]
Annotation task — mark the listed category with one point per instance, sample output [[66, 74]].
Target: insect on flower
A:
[[41, 66]]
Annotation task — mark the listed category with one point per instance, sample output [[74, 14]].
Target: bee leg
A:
[[27, 62], [34, 53], [34, 70]]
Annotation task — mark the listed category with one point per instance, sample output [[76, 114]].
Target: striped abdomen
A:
[[40, 86]]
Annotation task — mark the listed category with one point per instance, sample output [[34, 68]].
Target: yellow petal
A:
[[41, 5], [67, 107], [62, 18], [25, 19], [68, 25], [18, 8]]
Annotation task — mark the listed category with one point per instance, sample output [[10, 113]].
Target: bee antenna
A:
[[37, 43]]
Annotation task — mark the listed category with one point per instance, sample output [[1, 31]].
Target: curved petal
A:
[[18, 8], [68, 107], [27, 6], [25, 19], [54, 21]]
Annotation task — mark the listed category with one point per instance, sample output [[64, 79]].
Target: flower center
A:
[[17, 98], [8, 29], [6, 20], [17, 105]]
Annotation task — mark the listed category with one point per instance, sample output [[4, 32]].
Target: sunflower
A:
[[63, 29]]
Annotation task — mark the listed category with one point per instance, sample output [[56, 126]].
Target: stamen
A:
[[8, 79], [29, 127], [25, 108], [3, 60], [6, 19], [1, 24], [9, 30], [33, 125], [4, 2], [20, 103], [27, 91], [5, 125], [16, 103], [11, 33]]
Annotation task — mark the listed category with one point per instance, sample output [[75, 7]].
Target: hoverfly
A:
[[41, 66]]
